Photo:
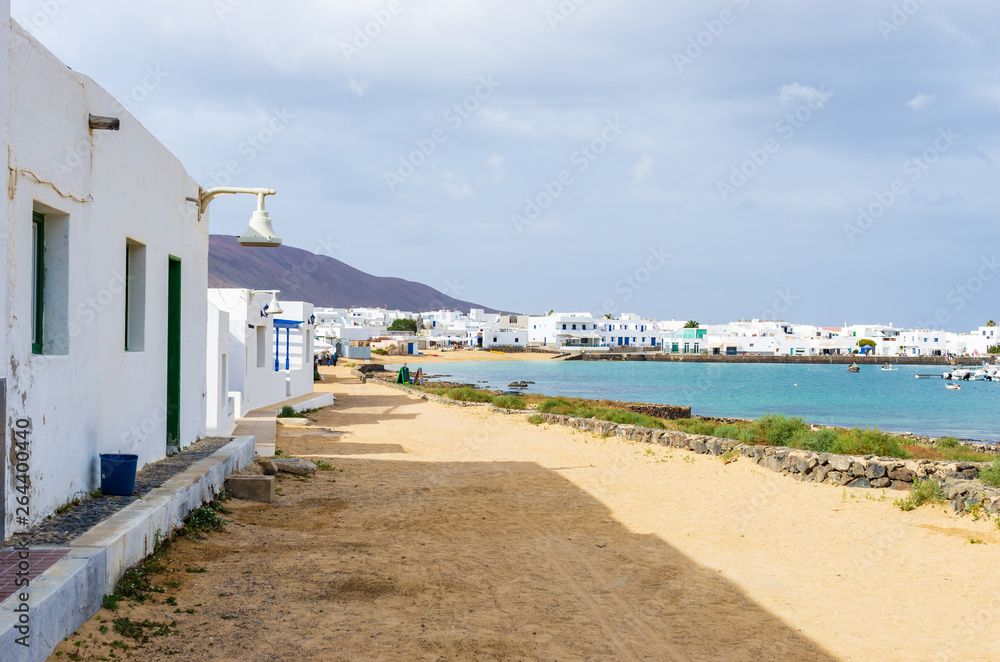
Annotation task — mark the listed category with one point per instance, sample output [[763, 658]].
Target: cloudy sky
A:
[[816, 162]]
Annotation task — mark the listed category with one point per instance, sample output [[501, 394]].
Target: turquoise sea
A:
[[891, 400]]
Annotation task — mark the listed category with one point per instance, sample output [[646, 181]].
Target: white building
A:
[[105, 260], [565, 330], [269, 357]]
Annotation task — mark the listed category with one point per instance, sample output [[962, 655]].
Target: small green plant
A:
[[205, 519], [975, 541], [172, 601], [378, 351], [947, 442], [97, 494], [509, 402], [536, 419], [110, 602], [730, 456], [195, 570], [288, 412], [924, 491], [103, 629], [991, 474], [323, 465]]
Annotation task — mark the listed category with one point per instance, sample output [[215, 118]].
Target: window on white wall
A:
[[50, 282], [135, 296]]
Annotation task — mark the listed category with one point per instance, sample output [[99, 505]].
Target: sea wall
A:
[[957, 479], [836, 360]]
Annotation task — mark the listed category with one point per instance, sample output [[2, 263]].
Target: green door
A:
[[174, 351]]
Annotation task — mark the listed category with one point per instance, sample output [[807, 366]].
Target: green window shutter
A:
[[37, 281]]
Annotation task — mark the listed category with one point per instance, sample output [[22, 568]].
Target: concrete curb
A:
[[71, 591]]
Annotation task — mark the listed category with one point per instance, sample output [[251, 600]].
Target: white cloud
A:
[[455, 186], [796, 92], [643, 169], [921, 100], [496, 163], [359, 88]]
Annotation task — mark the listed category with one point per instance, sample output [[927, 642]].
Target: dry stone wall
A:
[[957, 479]]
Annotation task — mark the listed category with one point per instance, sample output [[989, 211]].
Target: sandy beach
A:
[[450, 533]]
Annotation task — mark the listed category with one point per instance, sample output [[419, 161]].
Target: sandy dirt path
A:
[[450, 533]]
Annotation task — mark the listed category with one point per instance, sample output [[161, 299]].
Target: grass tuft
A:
[[924, 491]]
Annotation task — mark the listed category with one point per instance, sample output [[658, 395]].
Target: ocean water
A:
[[827, 394]]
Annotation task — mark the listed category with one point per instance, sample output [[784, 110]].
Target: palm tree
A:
[[991, 323], [691, 324]]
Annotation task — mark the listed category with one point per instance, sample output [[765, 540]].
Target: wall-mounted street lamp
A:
[[272, 308], [260, 233], [312, 320]]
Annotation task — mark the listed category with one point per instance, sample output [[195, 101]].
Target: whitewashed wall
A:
[[90, 395], [220, 419], [253, 385]]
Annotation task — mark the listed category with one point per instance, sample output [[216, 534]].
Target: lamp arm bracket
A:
[[207, 195]]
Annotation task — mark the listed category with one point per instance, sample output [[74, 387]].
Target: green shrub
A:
[[288, 412], [823, 440], [778, 430], [991, 474], [870, 442], [728, 431], [509, 402], [468, 394], [560, 406], [378, 351], [947, 442], [536, 419], [924, 491], [696, 426]]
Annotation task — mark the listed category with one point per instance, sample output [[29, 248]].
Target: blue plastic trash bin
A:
[[118, 473]]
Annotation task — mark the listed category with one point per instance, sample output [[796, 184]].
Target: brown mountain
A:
[[319, 279]]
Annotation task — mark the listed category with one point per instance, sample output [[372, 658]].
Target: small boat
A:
[[887, 366], [954, 387], [854, 368]]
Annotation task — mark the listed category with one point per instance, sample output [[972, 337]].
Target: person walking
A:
[[333, 357]]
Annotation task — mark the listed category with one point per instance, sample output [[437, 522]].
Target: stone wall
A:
[[957, 479], [722, 358], [666, 412]]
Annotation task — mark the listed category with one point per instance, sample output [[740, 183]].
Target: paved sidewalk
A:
[[262, 423]]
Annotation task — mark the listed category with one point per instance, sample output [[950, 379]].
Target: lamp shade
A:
[[274, 308], [260, 234]]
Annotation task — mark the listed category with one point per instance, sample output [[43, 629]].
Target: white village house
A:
[[105, 297]]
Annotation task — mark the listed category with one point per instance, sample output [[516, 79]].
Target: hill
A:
[[320, 279]]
